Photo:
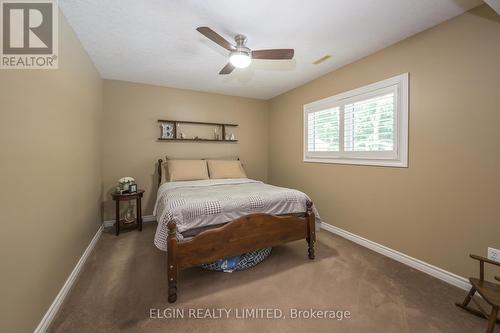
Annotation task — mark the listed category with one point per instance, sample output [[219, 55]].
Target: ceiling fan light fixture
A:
[[240, 59], [240, 56]]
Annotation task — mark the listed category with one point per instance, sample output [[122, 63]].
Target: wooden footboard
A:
[[245, 234]]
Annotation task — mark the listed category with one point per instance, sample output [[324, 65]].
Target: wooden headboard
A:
[[160, 163]]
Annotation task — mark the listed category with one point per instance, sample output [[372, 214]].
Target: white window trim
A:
[[396, 158]]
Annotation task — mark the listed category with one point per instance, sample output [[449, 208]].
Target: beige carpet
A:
[[125, 277]]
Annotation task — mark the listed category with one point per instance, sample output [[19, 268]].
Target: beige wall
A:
[[131, 130], [50, 153], [447, 203]]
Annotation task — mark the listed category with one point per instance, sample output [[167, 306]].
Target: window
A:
[[367, 126]]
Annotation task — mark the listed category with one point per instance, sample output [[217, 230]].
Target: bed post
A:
[[172, 269], [160, 161], [311, 229]]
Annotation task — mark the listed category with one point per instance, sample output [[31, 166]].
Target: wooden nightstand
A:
[[126, 197]]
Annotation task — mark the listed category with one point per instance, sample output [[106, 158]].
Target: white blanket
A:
[[200, 203]]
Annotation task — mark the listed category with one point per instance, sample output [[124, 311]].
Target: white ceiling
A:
[[155, 41]]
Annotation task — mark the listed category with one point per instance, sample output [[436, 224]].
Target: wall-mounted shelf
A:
[[173, 133], [196, 140]]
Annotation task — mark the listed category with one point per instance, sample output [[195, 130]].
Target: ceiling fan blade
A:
[[216, 38], [273, 54], [227, 69]]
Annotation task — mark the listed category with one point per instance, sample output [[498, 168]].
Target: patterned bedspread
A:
[[200, 203]]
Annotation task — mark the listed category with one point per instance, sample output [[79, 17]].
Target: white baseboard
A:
[[145, 218], [420, 265], [56, 304]]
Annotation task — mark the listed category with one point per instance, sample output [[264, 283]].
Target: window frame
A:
[[398, 157]]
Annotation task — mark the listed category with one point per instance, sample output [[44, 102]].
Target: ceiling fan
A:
[[241, 56]]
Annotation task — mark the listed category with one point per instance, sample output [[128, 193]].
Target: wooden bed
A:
[[244, 234]]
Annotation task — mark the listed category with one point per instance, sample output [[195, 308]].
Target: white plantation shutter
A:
[[368, 125], [323, 130]]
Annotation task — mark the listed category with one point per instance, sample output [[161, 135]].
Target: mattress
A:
[[203, 203]]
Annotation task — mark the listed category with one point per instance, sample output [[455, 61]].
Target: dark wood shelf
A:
[[179, 122], [195, 122], [198, 140]]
